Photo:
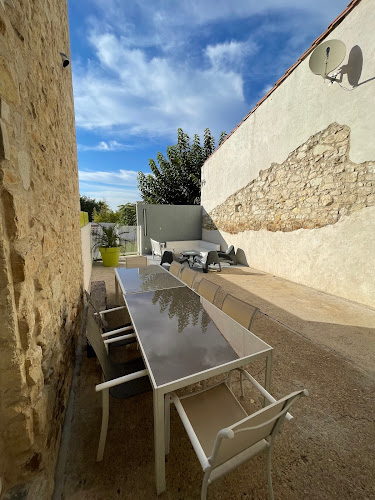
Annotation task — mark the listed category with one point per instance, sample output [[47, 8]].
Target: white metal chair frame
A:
[[106, 336], [211, 468], [157, 248], [104, 387]]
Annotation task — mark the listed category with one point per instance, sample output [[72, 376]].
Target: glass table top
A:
[[146, 278], [183, 334]]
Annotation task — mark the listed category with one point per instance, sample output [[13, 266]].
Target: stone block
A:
[[24, 168], [8, 86], [4, 142], [316, 182], [4, 111]]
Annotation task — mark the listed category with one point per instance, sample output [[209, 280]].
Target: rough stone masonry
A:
[[314, 187], [40, 245]]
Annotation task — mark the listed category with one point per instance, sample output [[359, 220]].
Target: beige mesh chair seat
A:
[[223, 435], [240, 311], [188, 276], [175, 268], [208, 290]]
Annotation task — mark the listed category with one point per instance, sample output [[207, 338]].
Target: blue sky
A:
[[143, 68]]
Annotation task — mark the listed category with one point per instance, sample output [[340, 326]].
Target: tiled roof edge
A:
[[330, 28]]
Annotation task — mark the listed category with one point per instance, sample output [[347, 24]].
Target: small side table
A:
[[190, 254]]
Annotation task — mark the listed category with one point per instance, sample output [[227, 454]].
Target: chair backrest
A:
[[167, 257], [230, 250], [93, 309], [155, 247], [175, 268], [94, 336], [240, 311], [188, 276], [208, 290], [212, 258], [262, 425], [90, 301]]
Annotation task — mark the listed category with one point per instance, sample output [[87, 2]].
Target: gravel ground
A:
[[326, 452]]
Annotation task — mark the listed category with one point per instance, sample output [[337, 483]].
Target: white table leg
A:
[[116, 288], [267, 382], [159, 441]]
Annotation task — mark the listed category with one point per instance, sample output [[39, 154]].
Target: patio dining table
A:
[[184, 339], [144, 279]]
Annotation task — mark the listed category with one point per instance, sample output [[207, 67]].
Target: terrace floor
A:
[[321, 342]]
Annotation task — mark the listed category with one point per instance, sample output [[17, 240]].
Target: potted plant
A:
[[109, 241]]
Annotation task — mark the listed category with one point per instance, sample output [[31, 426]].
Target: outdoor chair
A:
[[207, 259], [176, 268], [208, 290], [228, 256], [120, 329], [223, 435], [242, 312], [156, 248], [121, 380], [188, 276], [168, 257]]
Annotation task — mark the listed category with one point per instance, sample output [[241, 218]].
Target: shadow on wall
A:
[[224, 244], [353, 69], [241, 257]]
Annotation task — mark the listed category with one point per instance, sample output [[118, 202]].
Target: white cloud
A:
[[113, 196], [230, 54], [120, 177], [105, 146], [165, 16], [148, 77], [153, 96]]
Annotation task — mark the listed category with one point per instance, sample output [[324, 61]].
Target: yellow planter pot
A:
[[110, 256]]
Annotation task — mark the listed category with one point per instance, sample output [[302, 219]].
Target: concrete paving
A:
[[321, 342]]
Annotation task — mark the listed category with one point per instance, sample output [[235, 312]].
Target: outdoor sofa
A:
[[200, 246]]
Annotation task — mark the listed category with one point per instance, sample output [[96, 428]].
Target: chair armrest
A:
[[262, 390], [190, 431], [121, 337], [115, 332], [111, 310], [120, 380]]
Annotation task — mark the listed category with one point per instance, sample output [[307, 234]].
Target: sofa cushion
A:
[[178, 246]]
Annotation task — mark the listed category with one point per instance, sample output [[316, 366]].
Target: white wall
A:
[[86, 254], [302, 106]]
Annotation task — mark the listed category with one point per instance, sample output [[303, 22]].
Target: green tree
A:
[[105, 214], [88, 205], [177, 179], [128, 215]]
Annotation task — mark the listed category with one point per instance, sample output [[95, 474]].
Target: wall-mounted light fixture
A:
[[65, 60]]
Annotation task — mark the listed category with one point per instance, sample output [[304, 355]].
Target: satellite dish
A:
[[327, 57]]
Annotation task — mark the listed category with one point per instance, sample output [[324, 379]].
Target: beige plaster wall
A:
[[300, 108], [40, 243], [86, 255], [336, 258]]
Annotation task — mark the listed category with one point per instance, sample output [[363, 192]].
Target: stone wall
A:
[[315, 186], [292, 190], [86, 254], [40, 243]]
